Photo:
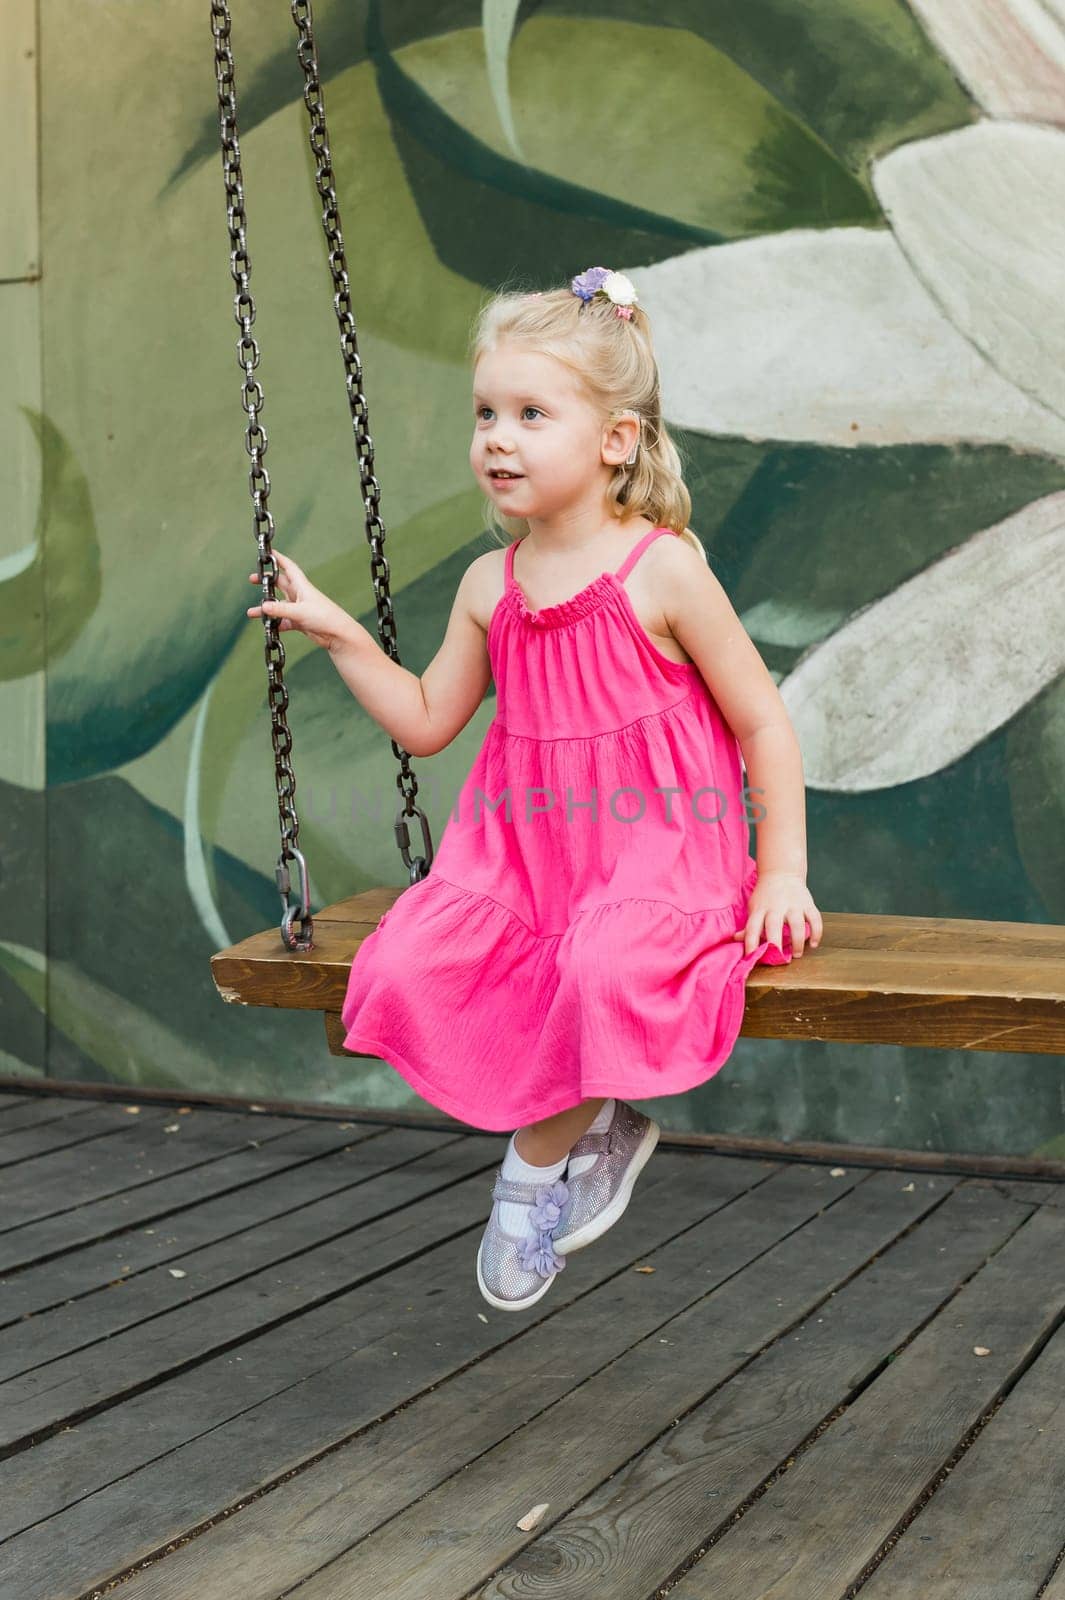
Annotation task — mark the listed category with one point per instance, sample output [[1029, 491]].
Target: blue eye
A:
[[482, 409]]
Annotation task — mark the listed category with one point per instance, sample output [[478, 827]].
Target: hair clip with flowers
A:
[[613, 286]]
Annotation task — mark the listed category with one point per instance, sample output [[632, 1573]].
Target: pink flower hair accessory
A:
[[612, 286]]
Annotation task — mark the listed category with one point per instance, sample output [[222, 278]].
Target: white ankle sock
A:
[[513, 1216], [600, 1124]]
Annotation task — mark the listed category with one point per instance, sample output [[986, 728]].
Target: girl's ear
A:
[[621, 438]]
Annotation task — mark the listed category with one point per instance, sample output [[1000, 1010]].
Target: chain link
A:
[[406, 782], [256, 442]]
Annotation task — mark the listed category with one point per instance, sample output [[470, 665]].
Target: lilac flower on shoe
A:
[[550, 1198], [538, 1254]]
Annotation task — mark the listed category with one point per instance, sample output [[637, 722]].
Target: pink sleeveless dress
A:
[[573, 937]]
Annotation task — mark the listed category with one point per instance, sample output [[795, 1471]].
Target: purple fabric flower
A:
[[545, 1217], [587, 282], [550, 1198], [539, 1254]]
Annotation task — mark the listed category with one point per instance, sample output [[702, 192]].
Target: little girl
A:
[[593, 910]]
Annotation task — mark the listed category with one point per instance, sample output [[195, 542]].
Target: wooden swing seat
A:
[[948, 983]]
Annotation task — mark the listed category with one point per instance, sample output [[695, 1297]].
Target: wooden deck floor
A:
[[243, 1355]]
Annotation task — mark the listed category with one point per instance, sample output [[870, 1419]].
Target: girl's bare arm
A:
[[422, 714], [700, 614]]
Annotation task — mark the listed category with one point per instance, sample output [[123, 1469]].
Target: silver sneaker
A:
[[598, 1195], [512, 1272]]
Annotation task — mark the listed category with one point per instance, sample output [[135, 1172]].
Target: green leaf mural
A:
[[405, 292], [861, 79], [1034, 758], [760, 168], [133, 1044], [13, 1067], [911, 504], [842, 432], [59, 571]]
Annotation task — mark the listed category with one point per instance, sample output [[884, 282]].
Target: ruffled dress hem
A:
[[471, 1114]]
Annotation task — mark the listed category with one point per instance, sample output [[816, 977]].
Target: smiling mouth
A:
[[495, 472]]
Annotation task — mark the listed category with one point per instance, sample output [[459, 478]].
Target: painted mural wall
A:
[[846, 219]]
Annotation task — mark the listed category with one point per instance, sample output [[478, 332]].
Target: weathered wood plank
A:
[[1055, 1589], [821, 1523], [137, 1151], [271, 1144], [101, 1122], [687, 1487], [307, 1521], [259, 971], [993, 1528], [334, 1034], [308, 1446], [45, 1108], [211, 1437], [459, 1535], [213, 1241], [1027, 1191], [381, 1224], [944, 983]]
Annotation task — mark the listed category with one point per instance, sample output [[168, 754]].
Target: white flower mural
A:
[[1010, 54], [949, 328]]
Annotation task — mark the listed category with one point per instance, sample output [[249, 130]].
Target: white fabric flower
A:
[[619, 289]]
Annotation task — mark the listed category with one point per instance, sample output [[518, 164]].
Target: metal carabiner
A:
[[417, 866], [305, 938]]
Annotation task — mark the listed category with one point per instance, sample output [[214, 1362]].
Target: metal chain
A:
[[406, 782], [255, 442]]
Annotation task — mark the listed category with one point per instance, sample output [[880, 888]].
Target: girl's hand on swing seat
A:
[[779, 899], [304, 607]]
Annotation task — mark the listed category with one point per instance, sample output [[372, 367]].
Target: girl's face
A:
[[531, 419]]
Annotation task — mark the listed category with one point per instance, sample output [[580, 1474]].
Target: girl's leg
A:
[[542, 1143], [540, 1152]]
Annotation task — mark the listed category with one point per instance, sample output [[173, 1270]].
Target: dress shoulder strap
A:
[[634, 555], [508, 562]]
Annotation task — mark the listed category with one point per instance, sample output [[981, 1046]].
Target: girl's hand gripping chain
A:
[[390, 693], [305, 607]]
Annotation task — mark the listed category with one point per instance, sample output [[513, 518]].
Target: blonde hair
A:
[[614, 362]]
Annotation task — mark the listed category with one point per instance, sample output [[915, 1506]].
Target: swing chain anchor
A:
[[302, 940], [417, 866]]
